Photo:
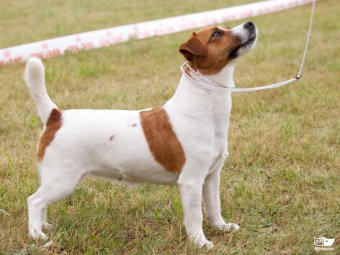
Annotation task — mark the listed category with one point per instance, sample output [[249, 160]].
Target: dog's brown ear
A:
[[193, 47]]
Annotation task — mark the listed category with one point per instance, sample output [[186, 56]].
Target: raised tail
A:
[[35, 80]]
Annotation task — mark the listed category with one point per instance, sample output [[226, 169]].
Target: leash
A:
[[206, 83]]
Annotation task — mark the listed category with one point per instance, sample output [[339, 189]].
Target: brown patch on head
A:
[[187, 71], [162, 140], [53, 124], [208, 50]]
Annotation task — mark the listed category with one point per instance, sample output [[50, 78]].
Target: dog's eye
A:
[[217, 33]]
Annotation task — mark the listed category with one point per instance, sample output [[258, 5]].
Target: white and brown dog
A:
[[183, 142]]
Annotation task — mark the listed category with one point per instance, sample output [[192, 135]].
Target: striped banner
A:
[[111, 36]]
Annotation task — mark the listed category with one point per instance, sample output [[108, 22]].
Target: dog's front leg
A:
[[191, 196], [211, 196]]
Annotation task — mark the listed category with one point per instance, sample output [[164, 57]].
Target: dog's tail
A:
[[35, 80]]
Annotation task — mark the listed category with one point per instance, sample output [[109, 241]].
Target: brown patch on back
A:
[[53, 124], [207, 53], [162, 140]]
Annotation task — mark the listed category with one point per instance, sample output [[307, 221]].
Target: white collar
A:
[[204, 82]]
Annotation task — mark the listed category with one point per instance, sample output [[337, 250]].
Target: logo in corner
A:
[[323, 243]]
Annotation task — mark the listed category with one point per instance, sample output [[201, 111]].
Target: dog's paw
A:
[[201, 241], [204, 243], [38, 235], [207, 244], [228, 227]]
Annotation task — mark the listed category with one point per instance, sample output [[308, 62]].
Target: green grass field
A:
[[281, 182]]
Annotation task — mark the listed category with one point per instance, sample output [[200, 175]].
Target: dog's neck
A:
[[225, 76], [190, 98]]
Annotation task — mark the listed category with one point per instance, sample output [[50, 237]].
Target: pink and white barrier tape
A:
[[110, 36]]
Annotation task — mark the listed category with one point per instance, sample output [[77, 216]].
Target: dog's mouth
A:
[[250, 41], [234, 52]]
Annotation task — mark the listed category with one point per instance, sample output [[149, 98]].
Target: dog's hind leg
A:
[[45, 224], [35, 210], [54, 187]]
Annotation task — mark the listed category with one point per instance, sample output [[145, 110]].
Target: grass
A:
[[281, 182]]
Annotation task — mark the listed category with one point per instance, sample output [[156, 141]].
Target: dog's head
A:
[[212, 48]]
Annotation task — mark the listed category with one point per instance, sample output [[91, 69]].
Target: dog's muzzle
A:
[[251, 34], [247, 34]]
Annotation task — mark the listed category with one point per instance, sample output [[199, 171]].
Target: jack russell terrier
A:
[[183, 142]]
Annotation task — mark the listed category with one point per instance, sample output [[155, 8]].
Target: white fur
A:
[[243, 34], [35, 80], [105, 143]]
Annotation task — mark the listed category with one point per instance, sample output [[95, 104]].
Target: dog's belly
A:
[[107, 143]]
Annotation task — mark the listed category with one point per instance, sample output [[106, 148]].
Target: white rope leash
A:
[[206, 83]]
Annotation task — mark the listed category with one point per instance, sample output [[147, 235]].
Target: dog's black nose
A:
[[249, 24]]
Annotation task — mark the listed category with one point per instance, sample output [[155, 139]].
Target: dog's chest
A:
[[221, 110]]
